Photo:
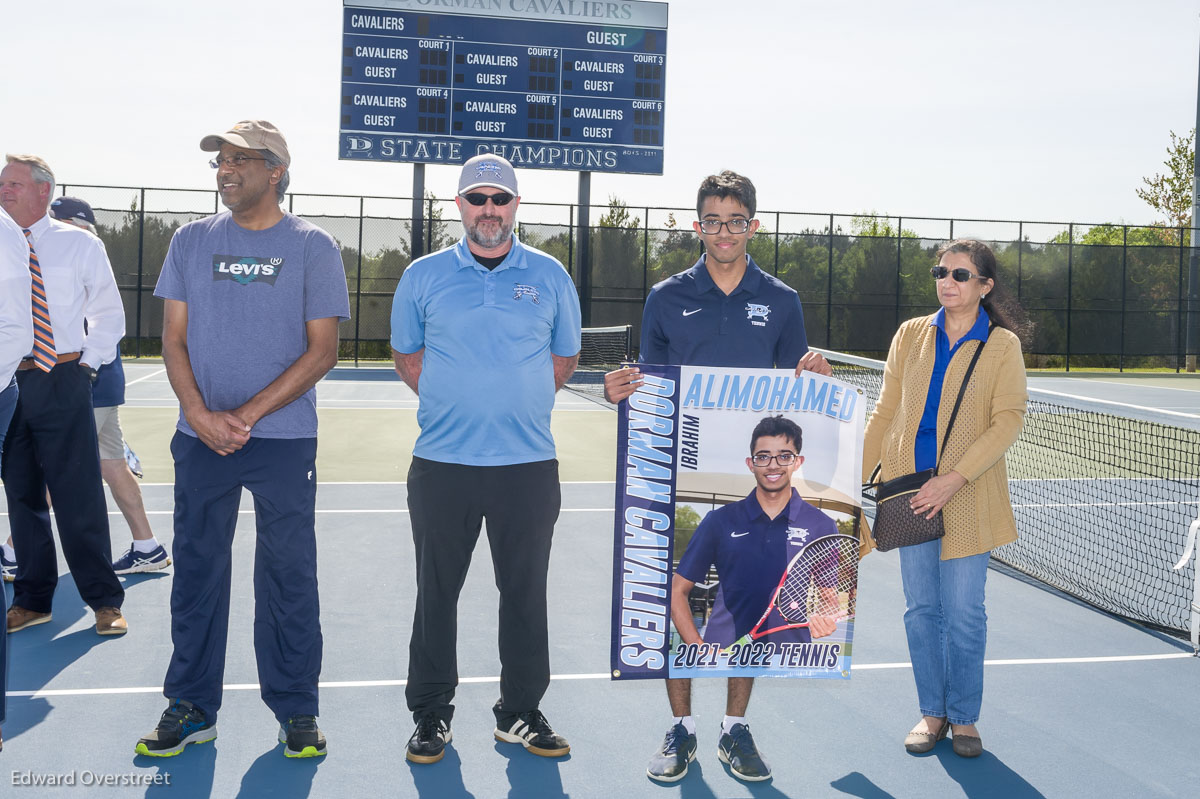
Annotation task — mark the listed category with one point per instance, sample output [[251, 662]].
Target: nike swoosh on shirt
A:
[[689, 313], [739, 535]]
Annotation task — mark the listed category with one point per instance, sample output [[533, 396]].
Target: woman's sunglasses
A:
[[960, 275]]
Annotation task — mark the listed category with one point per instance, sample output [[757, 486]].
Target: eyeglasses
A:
[[783, 458], [736, 225], [238, 161], [478, 198], [960, 275]]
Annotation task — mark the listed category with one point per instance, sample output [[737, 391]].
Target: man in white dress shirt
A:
[[16, 340], [52, 437]]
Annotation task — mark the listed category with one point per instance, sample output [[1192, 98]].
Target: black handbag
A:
[[895, 523]]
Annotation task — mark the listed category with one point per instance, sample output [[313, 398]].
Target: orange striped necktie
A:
[[43, 335]]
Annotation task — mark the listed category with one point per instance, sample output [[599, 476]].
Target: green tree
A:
[[686, 522], [672, 250], [1170, 194], [618, 257]]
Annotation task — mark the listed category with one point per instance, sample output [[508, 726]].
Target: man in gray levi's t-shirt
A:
[[252, 302]]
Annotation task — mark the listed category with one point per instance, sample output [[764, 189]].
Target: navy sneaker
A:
[[134, 562], [670, 762], [302, 737], [429, 739], [738, 750], [181, 724], [8, 568], [531, 730]]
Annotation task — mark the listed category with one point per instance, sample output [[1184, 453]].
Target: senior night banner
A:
[[685, 491]]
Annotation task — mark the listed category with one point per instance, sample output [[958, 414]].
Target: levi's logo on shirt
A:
[[246, 269]]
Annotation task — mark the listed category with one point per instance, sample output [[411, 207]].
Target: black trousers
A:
[[52, 442], [447, 504]]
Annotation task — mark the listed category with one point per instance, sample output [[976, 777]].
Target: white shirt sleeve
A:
[[16, 313], [103, 309]]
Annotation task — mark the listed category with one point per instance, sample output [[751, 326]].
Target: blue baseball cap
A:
[[66, 208]]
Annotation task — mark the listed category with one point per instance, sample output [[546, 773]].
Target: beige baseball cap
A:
[[252, 134]]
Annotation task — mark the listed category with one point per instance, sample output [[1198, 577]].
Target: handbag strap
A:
[[961, 391]]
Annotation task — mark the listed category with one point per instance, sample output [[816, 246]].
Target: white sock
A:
[[688, 723], [147, 546], [729, 721], [9, 552]]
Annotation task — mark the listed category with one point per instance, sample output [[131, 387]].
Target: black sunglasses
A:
[[478, 198], [960, 275]]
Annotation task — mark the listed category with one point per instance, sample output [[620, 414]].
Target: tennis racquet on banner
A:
[[819, 581]]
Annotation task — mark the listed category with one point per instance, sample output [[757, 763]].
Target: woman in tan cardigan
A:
[[944, 579]]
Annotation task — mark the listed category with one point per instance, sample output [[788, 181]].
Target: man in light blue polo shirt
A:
[[484, 332]]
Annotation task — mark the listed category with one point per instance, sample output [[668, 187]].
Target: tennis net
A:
[[1104, 494], [601, 350]]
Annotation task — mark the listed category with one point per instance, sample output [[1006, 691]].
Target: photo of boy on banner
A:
[[751, 566], [764, 518]]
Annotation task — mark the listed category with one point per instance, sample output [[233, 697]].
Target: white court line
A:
[[157, 689], [400, 483], [145, 377], [1126, 385], [1102, 479], [1118, 404], [1040, 661], [1107, 504], [249, 511], [172, 402]]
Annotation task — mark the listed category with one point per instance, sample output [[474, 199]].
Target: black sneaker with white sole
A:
[[429, 739], [737, 748], [531, 730], [670, 762]]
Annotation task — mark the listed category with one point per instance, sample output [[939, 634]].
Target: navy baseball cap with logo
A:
[[67, 208], [487, 170]]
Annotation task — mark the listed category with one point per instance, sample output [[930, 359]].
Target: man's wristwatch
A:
[[90, 372]]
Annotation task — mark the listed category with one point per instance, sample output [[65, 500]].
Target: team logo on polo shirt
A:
[[753, 309], [525, 290], [246, 269], [797, 535]]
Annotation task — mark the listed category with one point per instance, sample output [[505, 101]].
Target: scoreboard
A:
[[548, 84]]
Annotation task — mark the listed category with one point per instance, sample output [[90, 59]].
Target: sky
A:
[[1010, 109]]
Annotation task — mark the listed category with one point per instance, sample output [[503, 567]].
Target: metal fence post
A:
[[829, 291], [1070, 273], [1020, 252], [1124, 263], [776, 244], [358, 283], [1181, 314], [645, 252], [899, 267], [140, 266]]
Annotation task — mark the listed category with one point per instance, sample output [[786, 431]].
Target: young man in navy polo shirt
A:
[[724, 311], [751, 541], [484, 332]]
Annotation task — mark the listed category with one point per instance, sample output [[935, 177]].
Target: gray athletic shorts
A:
[[108, 432]]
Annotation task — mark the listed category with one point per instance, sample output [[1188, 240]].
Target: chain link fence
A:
[[1097, 295]]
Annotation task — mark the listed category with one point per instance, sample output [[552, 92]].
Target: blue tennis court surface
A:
[[1077, 703]]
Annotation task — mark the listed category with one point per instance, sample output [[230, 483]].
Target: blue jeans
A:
[[947, 629], [8, 402]]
